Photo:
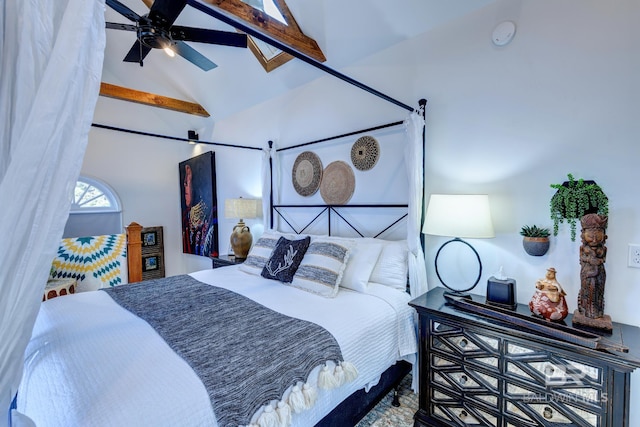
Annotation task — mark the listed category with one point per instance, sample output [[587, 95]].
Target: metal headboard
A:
[[330, 210], [335, 210]]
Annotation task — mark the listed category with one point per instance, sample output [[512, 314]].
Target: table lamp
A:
[[457, 216], [242, 209]]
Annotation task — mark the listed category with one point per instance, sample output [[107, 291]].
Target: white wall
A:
[[143, 171], [508, 121]]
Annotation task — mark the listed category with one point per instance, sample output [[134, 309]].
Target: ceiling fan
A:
[[155, 30]]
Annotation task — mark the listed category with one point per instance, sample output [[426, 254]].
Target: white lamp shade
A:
[[460, 215], [242, 208]]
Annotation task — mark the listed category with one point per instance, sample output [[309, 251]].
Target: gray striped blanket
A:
[[246, 355]]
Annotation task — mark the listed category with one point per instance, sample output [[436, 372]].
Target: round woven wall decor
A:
[[306, 173], [365, 153], [338, 183]]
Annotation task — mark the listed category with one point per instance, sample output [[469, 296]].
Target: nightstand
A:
[[483, 372], [225, 261]]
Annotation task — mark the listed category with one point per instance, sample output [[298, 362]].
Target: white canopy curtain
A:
[[413, 155], [51, 64]]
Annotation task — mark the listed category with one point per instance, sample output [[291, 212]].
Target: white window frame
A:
[[105, 189]]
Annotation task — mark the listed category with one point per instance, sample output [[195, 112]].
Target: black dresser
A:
[[475, 371]]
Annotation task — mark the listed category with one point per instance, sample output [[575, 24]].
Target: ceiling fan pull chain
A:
[[141, 64]]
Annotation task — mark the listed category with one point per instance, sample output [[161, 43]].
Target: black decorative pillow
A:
[[285, 259]]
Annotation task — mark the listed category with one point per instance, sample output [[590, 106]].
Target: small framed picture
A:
[[149, 238], [150, 263]]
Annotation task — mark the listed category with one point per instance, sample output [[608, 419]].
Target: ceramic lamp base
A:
[[241, 240]]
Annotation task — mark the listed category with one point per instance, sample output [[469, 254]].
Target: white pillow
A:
[[261, 251], [392, 267], [322, 267], [362, 260]]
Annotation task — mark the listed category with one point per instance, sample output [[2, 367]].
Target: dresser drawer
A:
[[465, 415], [552, 387], [458, 343], [527, 414], [452, 383]]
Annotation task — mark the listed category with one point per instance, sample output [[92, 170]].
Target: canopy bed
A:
[[134, 353], [115, 356]]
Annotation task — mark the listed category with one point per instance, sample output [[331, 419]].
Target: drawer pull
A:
[[463, 343], [547, 413], [463, 379], [463, 414]]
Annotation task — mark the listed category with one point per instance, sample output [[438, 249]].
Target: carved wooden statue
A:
[[593, 254]]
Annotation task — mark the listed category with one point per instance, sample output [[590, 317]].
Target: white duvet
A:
[[92, 363]]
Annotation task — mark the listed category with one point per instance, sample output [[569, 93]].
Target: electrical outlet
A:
[[634, 256]]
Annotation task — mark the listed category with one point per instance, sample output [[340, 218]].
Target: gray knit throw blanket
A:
[[246, 355]]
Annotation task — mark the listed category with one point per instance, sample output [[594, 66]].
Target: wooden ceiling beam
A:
[[151, 99], [290, 35]]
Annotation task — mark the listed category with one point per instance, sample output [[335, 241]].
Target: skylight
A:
[[273, 18], [268, 7]]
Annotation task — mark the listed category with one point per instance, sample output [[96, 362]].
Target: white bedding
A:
[[92, 363]]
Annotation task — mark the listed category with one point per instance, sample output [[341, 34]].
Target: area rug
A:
[[386, 415]]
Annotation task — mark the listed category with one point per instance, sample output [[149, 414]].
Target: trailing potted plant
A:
[[535, 240], [574, 199]]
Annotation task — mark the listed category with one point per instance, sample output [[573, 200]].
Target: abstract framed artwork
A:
[[152, 252], [199, 205], [149, 238], [150, 263]]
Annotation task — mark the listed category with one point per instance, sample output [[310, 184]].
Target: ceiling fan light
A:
[[169, 51]]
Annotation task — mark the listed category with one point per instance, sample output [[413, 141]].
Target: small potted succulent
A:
[[535, 240], [574, 199]]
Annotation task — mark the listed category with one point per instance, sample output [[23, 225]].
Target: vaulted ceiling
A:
[[345, 30]]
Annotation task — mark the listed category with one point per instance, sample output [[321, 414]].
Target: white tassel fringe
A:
[[296, 400], [350, 371], [284, 414], [303, 398], [338, 375], [310, 395], [326, 379], [268, 418]]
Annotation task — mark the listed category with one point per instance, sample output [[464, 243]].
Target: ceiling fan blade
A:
[[193, 56], [123, 10], [134, 52], [118, 26], [165, 12], [201, 35]]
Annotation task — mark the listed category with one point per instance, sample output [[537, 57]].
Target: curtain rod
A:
[[175, 138], [240, 25], [341, 136]]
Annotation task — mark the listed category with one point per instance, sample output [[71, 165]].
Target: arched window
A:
[[95, 210], [92, 195]]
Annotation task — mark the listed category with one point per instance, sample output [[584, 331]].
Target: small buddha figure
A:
[[548, 301]]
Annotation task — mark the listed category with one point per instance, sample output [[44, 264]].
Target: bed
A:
[[119, 370], [319, 344]]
